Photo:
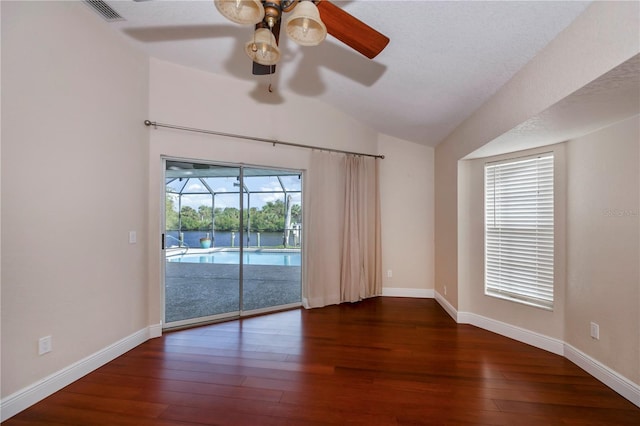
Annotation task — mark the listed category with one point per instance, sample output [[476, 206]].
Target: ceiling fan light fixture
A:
[[305, 26], [263, 48], [243, 12]]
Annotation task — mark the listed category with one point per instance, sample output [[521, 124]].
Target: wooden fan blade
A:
[[259, 69], [351, 31]]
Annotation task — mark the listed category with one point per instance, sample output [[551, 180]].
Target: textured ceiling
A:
[[612, 97], [445, 58]]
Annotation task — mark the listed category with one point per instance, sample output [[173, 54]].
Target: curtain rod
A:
[[252, 138]]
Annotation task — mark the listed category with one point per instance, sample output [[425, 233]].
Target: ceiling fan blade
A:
[[259, 69], [351, 31]]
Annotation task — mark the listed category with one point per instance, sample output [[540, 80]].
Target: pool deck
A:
[[194, 290]]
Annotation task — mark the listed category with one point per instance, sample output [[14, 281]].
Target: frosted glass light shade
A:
[[263, 48], [243, 12], [305, 26]]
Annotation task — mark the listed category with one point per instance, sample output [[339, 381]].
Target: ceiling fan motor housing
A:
[[310, 22], [272, 12]]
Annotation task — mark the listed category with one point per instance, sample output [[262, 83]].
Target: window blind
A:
[[519, 237]]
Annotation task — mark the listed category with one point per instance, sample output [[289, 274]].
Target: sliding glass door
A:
[[232, 241], [197, 289], [271, 267]]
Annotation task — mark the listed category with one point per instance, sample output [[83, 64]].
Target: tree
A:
[[227, 219], [273, 212], [205, 218], [296, 213], [270, 218], [190, 219], [171, 213]]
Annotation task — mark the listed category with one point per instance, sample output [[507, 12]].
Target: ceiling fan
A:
[[308, 24]]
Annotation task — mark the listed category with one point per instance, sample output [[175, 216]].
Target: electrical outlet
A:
[[595, 331], [133, 238], [44, 345], [389, 273]]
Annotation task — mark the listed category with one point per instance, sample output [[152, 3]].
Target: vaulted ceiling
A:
[[444, 60]]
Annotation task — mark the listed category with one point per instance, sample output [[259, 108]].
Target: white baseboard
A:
[[606, 375], [615, 381], [18, 401], [155, 330], [419, 293], [268, 310], [517, 333], [24, 398], [448, 307]]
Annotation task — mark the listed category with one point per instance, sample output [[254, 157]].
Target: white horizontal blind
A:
[[519, 230]]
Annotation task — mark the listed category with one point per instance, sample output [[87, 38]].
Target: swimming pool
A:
[[273, 258]]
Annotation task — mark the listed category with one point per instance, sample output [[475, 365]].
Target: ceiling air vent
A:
[[104, 10]]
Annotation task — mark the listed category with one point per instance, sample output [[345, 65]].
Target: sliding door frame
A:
[[240, 312]]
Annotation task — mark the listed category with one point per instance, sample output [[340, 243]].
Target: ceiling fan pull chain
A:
[[254, 47], [271, 69]]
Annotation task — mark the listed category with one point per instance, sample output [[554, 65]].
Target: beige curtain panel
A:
[[342, 240]]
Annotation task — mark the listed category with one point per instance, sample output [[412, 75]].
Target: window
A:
[[519, 241]]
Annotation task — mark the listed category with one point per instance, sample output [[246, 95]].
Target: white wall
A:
[[193, 98], [74, 170], [78, 174], [604, 36], [471, 248], [603, 236], [0, 216], [406, 184]]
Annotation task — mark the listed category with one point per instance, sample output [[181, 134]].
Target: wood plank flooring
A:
[[384, 361]]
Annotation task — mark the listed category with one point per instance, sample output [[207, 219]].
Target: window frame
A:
[[531, 230]]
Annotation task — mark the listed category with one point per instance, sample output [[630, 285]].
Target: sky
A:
[[226, 189]]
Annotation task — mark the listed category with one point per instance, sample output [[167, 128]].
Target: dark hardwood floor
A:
[[384, 361]]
